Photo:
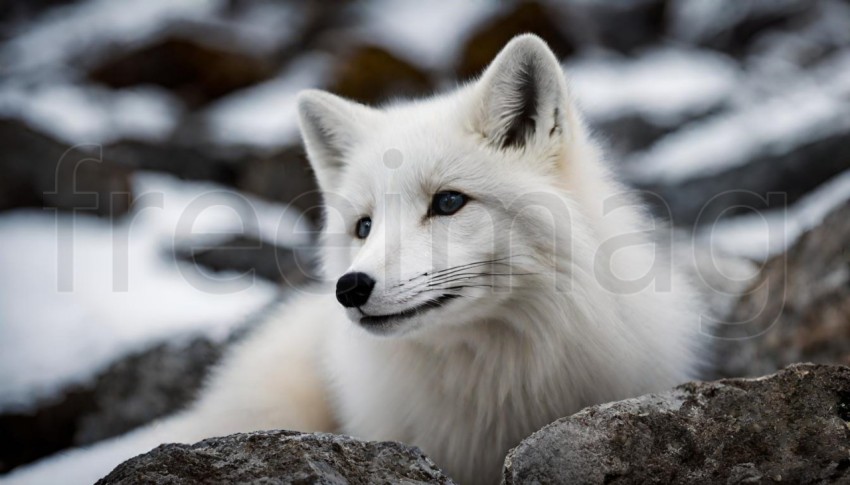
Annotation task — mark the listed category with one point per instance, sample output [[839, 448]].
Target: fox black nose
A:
[[353, 289]]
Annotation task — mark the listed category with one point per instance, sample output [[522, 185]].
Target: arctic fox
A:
[[490, 277]]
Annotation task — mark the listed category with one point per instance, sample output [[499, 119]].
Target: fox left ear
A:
[[330, 126], [523, 95]]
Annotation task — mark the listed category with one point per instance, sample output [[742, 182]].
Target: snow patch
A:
[[664, 85], [64, 32], [76, 293], [735, 138], [266, 115], [426, 35], [263, 27], [90, 114], [698, 21], [760, 236]]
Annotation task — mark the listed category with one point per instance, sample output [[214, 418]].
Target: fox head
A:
[[441, 211]]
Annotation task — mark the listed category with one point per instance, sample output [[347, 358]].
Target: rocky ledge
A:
[[792, 426], [277, 457]]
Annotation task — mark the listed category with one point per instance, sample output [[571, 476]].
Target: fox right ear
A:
[[523, 95], [330, 126]]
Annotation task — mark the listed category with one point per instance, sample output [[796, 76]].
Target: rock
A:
[[283, 176], [18, 11], [186, 162], [197, 72], [631, 132], [371, 74], [131, 392], [719, 279], [796, 310], [279, 457], [39, 171], [245, 254], [47, 428], [791, 427], [624, 26], [526, 17], [143, 387]]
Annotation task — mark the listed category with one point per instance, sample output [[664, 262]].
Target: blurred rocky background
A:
[[155, 199]]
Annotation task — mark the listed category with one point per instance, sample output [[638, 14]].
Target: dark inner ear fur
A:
[[521, 119], [556, 125]]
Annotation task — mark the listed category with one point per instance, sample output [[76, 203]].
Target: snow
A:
[[759, 236], [265, 115], [774, 126], [664, 85], [430, 36], [264, 27], [90, 114], [221, 212], [77, 293], [771, 113], [64, 32], [834, 76], [703, 20]]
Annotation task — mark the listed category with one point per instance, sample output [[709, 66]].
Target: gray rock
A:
[[186, 162], [626, 26], [249, 255], [39, 171], [143, 387], [19, 11], [548, 20], [273, 457], [283, 176], [192, 69], [791, 427], [796, 310], [720, 280], [133, 391], [372, 74]]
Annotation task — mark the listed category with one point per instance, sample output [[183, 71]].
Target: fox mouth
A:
[[378, 320]]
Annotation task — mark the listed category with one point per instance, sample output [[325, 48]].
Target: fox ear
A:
[[523, 94], [330, 126]]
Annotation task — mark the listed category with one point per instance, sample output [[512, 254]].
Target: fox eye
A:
[[447, 203], [364, 225]]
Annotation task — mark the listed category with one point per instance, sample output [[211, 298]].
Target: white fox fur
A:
[[577, 305]]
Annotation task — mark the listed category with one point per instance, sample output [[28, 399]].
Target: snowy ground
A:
[[760, 236], [664, 85], [411, 30], [77, 293], [735, 138], [72, 113], [264, 115], [53, 42]]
